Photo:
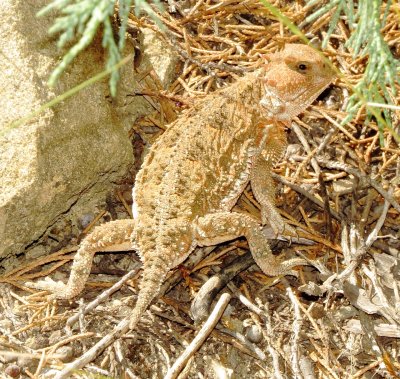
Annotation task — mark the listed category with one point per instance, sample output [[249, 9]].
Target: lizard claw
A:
[[289, 231]]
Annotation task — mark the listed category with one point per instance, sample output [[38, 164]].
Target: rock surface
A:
[[69, 156]]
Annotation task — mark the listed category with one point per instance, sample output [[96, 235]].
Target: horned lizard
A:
[[195, 172]]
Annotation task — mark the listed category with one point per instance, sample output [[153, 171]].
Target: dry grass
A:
[[338, 186]]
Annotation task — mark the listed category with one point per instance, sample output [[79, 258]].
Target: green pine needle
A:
[[377, 85], [81, 19]]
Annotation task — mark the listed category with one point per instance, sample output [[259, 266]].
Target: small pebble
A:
[[86, 219], [66, 352], [253, 334]]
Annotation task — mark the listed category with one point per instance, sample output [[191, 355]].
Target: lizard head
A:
[[292, 80]]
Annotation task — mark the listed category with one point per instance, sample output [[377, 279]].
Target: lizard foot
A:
[[224, 226], [112, 236], [278, 225]]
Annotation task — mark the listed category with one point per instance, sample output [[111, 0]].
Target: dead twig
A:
[[102, 296], [204, 332]]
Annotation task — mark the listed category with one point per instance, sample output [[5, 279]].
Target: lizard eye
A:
[[302, 67]]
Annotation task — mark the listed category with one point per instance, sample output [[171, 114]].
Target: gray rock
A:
[[68, 156]]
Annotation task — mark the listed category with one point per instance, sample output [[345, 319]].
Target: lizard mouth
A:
[[306, 97], [284, 108]]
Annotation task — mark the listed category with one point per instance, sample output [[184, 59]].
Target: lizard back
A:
[[198, 166]]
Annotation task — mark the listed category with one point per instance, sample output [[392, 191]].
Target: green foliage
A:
[[381, 74], [80, 19], [339, 6]]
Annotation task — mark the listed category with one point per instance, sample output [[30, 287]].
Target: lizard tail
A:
[[155, 271]]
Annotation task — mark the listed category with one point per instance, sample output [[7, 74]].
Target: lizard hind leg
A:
[[111, 236], [224, 226]]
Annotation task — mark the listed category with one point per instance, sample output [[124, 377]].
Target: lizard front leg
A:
[[263, 188], [224, 226], [262, 184], [112, 236]]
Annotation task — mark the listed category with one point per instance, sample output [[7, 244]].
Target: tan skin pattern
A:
[[195, 172]]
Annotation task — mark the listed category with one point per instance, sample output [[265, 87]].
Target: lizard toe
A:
[[55, 288]]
